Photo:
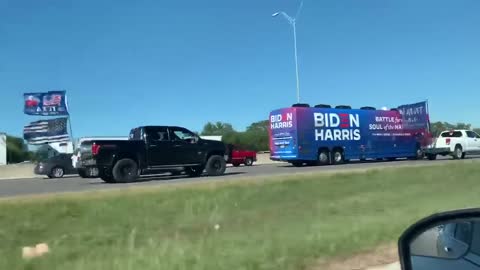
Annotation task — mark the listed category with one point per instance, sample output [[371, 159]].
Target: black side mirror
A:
[[443, 241]]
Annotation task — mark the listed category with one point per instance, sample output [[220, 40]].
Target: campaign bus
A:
[[323, 135]]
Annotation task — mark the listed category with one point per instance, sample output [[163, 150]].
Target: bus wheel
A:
[[337, 156], [324, 157], [418, 154]]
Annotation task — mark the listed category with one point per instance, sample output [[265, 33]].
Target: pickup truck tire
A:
[[216, 165], [125, 170], [194, 171], [248, 162], [458, 152], [82, 173]]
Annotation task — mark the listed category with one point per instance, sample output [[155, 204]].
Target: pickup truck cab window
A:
[[472, 134], [180, 134], [135, 134], [158, 134], [451, 134]]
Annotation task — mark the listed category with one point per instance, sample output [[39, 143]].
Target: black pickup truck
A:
[[155, 149]]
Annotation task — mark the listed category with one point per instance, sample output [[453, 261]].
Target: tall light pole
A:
[[293, 22]]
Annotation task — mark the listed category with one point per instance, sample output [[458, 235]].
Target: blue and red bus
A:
[[323, 135]]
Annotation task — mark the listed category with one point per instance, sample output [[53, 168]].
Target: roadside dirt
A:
[[380, 256]]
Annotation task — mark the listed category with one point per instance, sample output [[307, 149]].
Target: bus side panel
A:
[[283, 134], [316, 130], [385, 136], [371, 134], [298, 133], [307, 146]]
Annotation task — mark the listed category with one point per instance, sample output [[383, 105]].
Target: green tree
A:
[[217, 129], [254, 138], [260, 126], [16, 150], [257, 135]]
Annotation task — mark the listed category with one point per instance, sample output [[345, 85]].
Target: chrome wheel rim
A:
[[323, 157], [58, 172], [338, 157]]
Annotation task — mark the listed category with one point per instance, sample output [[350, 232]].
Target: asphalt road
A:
[[35, 186]]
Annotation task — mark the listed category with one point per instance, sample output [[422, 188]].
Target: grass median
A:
[[265, 225]]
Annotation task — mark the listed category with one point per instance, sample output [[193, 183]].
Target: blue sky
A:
[[130, 63]]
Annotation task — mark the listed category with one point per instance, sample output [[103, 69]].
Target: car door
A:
[[187, 149], [473, 143], [159, 147], [68, 165], [477, 141]]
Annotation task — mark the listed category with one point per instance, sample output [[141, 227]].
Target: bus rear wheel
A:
[[337, 156], [324, 157]]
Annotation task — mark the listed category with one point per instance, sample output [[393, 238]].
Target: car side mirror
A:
[[447, 240]]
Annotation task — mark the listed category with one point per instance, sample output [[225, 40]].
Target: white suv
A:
[[457, 143]]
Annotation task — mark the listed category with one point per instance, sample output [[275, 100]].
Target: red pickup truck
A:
[[239, 156]]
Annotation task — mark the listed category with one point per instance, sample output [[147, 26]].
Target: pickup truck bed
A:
[[239, 156]]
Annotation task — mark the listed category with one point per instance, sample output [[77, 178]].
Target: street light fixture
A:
[[293, 22]]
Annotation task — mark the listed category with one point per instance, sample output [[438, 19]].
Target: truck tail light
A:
[[447, 141], [95, 149]]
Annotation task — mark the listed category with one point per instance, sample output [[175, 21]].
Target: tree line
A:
[[17, 150], [255, 138]]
